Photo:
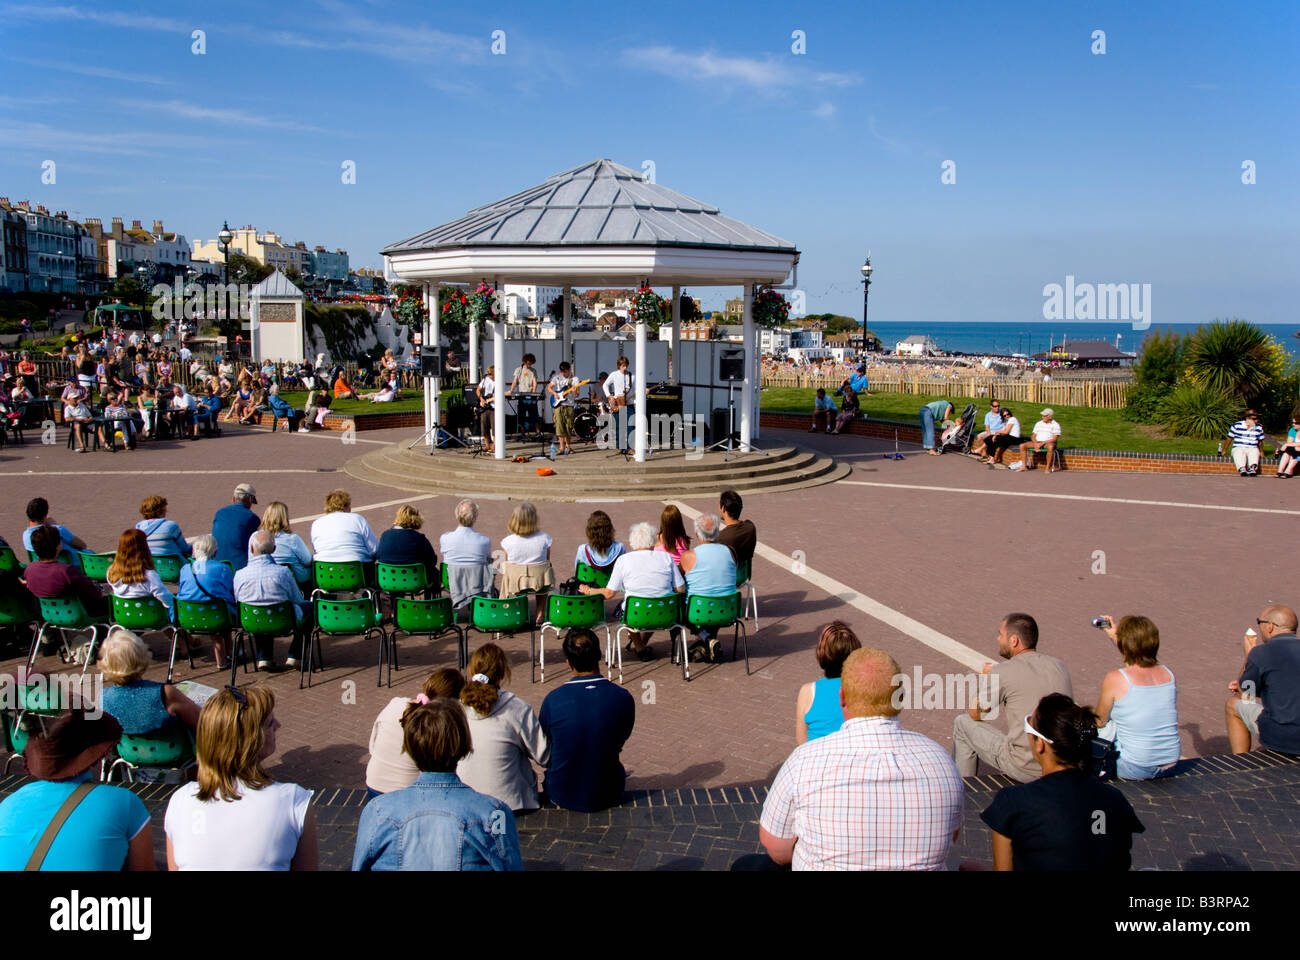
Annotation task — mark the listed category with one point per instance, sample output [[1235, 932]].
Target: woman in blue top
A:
[[290, 551], [209, 579], [601, 549], [164, 535], [139, 705], [108, 830], [1138, 708], [1288, 454], [817, 710]]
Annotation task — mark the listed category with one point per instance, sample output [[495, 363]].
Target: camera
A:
[[1101, 623]]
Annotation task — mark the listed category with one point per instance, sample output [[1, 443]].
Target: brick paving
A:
[[940, 540]]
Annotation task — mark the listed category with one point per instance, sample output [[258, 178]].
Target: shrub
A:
[[1232, 356], [1154, 375], [1202, 413]]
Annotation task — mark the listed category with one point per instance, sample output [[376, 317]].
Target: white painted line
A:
[[373, 506], [968, 657], [599, 500], [1071, 496], [150, 473]]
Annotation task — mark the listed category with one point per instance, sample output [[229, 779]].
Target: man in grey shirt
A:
[[1025, 678]]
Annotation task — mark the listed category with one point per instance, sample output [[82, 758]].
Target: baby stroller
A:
[[957, 437]]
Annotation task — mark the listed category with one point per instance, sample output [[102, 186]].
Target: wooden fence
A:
[[1102, 394]]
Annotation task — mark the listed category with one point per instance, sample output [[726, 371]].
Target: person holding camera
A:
[[1138, 707]]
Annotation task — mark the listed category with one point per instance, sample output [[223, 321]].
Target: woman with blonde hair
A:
[[139, 705], [235, 817], [390, 768], [242, 402], [403, 543], [528, 557], [132, 573], [505, 732], [290, 551]]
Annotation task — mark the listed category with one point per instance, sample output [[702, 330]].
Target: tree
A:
[[247, 270], [1156, 373], [1233, 356], [293, 275], [127, 289]]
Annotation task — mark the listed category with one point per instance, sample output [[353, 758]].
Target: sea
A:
[[1005, 339]]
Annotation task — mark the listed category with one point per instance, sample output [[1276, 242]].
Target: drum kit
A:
[[586, 421]]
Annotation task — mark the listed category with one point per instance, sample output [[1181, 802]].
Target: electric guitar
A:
[[556, 400]]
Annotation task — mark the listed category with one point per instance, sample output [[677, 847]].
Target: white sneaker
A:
[[291, 662], [303, 430]]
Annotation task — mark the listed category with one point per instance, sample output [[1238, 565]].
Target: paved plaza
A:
[[922, 557]]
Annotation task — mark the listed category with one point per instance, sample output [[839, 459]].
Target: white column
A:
[[566, 326], [640, 427], [473, 353], [433, 337], [747, 386], [499, 361], [677, 332], [430, 414]]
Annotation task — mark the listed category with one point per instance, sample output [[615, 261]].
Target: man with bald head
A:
[[1265, 702], [872, 795]]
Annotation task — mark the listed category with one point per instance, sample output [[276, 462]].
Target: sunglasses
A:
[[1029, 729]]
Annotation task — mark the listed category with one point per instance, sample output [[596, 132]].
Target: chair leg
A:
[[686, 655], [541, 634], [462, 650], [36, 644], [753, 600], [383, 659], [171, 663], [532, 646]]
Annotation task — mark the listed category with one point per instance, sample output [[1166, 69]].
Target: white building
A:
[[916, 345], [808, 354], [773, 342], [524, 301]]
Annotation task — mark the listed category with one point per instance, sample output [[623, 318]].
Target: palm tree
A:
[[1233, 356]]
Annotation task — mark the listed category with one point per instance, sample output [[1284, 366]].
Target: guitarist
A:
[[619, 387], [560, 389], [486, 393]]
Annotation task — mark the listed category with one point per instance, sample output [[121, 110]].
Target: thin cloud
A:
[[895, 145], [825, 111], [111, 18], [52, 140], [83, 70], [767, 73], [239, 118]]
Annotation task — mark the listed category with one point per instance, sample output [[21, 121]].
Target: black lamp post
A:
[[866, 289], [223, 240]]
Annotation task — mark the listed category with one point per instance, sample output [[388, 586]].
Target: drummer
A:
[[596, 392], [525, 381]]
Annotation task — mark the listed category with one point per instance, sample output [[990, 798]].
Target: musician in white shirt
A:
[[620, 386], [485, 391], [562, 400], [525, 381]]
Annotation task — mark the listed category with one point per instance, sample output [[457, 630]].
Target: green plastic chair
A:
[[417, 617], [595, 576], [443, 578], [95, 565], [647, 614], [401, 580], [718, 613], [17, 609], [346, 618], [568, 612], [168, 749], [169, 566], [743, 573], [14, 736], [143, 614], [505, 615], [339, 577], [67, 615], [210, 617], [261, 620], [35, 703], [9, 560], [63, 557]]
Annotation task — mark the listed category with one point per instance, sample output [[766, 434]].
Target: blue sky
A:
[[1122, 167]]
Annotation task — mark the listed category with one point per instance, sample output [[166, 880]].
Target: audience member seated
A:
[[740, 535], [992, 424], [586, 721], [1138, 708], [710, 571], [848, 408], [232, 526], [527, 565], [672, 534], [823, 412], [468, 556], [108, 830], [438, 822], [386, 393], [242, 402], [210, 409], [871, 796], [817, 710], [641, 572], [1008, 435], [117, 419], [49, 579], [132, 573], [147, 404], [1025, 678], [601, 549], [1288, 453], [1052, 822], [235, 817], [342, 389], [290, 551], [281, 408], [1045, 435], [316, 410], [341, 536], [183, 413], [165, 537], [1247, 439], [403, 543], [139, 705], [505, 734], [209, 579], [263, 583], [1265, 702], [390, 768], [80, 420]]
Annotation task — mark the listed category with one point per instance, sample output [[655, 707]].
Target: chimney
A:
[[157, 226], [135, 225]]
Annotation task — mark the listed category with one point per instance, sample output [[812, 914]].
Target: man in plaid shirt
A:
[[871, 796]]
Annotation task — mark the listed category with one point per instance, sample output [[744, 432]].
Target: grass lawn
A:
[[1081, 427], [410, 401]]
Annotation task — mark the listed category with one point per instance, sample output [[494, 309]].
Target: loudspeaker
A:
[[431, 362], [731, 365]]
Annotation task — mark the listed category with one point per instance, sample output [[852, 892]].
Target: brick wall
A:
[[376, 421], [1106, 461]]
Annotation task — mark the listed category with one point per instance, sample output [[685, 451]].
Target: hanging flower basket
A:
[[456, 308], [482, 304], [771, 309], [647, 307]]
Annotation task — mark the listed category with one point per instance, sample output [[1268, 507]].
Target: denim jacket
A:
[[437, 823]]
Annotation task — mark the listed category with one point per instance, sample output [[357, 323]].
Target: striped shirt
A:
[[1243, 434], [871, 796]]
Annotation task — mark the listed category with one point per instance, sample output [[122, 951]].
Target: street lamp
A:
[[223, 240], [866, 288]]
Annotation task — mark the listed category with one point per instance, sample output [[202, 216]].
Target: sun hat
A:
[[1047, 412], [245, 490], [71, 744]]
